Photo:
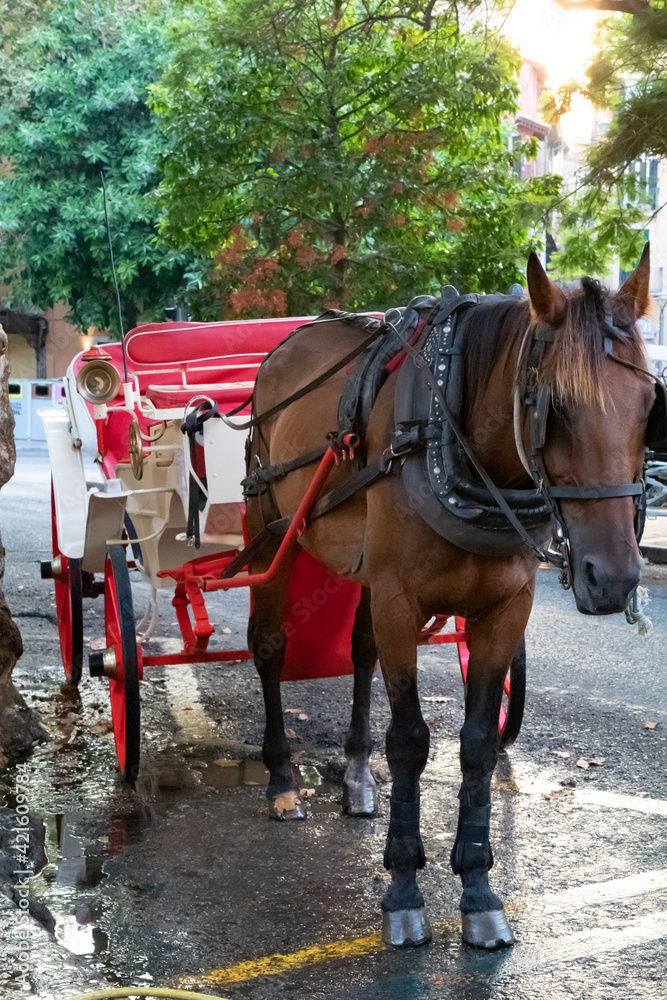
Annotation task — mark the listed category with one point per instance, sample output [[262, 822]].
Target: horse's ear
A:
[[635, 291], [547, 300]]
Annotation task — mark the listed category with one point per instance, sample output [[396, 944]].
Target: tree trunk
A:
[[19, 726]]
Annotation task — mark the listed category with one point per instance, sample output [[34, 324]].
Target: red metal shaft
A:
[[296, 527], [224, 656], [441, 637]]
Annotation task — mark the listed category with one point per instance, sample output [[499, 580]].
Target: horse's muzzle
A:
[[602, 585]]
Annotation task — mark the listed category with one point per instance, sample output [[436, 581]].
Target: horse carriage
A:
[[147, 413], [432, 406]]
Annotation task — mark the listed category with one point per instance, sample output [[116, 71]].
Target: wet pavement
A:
[[186, 882]]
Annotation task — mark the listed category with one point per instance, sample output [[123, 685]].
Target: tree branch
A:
[[615, 6], [428, 14]]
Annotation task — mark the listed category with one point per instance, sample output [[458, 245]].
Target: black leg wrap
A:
[[471, 847], [404, 847]]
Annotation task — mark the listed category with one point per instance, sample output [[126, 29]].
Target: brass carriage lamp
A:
[[98, 382]]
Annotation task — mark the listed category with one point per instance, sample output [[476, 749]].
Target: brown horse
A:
[[595, 437]]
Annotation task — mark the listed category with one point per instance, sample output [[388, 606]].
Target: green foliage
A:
[[337, 152], [606, 215], [73, 85], [600, 227]]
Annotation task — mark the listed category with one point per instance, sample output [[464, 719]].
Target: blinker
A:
[[656, 428]]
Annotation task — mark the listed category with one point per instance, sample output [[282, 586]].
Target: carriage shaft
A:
[[297, 526]]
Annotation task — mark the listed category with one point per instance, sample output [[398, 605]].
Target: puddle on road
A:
[[223, 773], [67, 886], [78, 882], [92, 820], [70, 884]]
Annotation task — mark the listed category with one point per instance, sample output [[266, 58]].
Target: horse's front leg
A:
[[359, 788], [396, 626], [492, 647]]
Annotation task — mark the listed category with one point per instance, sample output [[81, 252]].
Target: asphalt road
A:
[[186, 881]]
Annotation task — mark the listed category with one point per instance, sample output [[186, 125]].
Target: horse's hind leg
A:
[[359, 788], [266, 640], [491, 651]]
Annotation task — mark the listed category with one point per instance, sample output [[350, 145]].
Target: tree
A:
[[333, 152], [617, 6], [617, 192], [73, 86]]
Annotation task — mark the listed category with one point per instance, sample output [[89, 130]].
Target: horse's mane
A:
[[573, 368]]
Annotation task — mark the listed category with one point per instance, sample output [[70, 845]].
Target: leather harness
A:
[[445, 481]]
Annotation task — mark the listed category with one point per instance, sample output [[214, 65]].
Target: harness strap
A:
[[609, 350], [481, 472], [359, 481], [595, 492], [300, 393], [421, 363], [276, 529], [264, 477], [194, 421], [538, 399]]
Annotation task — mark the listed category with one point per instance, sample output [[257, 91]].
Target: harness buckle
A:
[[406, 440], [343, 444]]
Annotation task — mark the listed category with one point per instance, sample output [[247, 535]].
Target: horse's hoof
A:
[[287, 806], [406, 928], [360, 799], [488, 930]]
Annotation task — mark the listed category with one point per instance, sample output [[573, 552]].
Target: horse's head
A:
[[597, 425]]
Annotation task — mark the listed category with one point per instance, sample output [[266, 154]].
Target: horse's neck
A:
[[490, 425]]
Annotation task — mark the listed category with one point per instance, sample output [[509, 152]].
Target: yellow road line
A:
[[272, 965]]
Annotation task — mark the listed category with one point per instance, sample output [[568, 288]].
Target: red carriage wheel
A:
[[66, 575], [121, 637], [514, 689]]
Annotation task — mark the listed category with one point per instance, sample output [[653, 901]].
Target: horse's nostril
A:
[[590, 573]]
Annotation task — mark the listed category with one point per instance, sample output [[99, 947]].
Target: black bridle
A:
[[538, 399]]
